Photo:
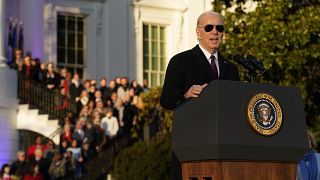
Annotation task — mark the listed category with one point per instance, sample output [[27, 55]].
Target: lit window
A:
[[154, 54]]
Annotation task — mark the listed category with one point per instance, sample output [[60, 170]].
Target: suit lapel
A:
[[222, 66], [202, 61]]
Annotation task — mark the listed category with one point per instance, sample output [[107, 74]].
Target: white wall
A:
[[31, 14], [116, 49], [195, 9], [114, 29], [168, 13], [102, 50], [114, 39]]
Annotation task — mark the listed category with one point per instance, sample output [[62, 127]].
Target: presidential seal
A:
[[264, 114]]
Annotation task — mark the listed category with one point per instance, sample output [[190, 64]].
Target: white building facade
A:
[[97, 38]]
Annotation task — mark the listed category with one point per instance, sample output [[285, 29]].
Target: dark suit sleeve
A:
[[174, 85]]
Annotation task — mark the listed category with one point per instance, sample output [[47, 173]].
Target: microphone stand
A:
[[252, 75]]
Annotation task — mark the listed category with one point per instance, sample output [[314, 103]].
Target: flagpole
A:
[[2, 34]]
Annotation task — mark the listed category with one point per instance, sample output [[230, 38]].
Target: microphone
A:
[[239, 59], [255, 68], [244, 62], [257, 64]]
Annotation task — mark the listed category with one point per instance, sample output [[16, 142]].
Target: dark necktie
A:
[[214, 67]]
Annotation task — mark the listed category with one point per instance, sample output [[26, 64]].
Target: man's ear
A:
[[198, 34]]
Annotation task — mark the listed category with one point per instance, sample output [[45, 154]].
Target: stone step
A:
[[53, 122], [30, 119], [43, 117], [23, 107]]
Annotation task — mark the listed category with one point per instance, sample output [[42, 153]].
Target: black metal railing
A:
[[103, 162], [27, 137], [50, 102], [54, 136]]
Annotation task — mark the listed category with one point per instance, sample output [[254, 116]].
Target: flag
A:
[[9, 50], [14, 35], [21, 38], [10, 33]]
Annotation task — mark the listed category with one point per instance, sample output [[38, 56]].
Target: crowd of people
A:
[[106, 110]]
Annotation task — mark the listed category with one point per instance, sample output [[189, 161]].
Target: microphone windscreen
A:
[[238, 58], [251, 58]]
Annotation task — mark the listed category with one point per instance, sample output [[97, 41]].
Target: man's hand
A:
[[194, 91]]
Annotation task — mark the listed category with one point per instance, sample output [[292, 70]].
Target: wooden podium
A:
[[213, 139]]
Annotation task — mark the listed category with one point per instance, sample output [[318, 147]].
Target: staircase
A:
[[42, 110], [30, 119]]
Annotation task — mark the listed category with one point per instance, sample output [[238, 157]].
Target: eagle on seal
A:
[[264, 114]]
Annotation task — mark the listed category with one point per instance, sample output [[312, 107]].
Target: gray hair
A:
[[209, 13]]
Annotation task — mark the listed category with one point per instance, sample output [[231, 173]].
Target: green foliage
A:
[[153, 113], [145, 160], [148, 159], [286, 38]]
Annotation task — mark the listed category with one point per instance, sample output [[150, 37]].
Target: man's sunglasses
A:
[[209, 28]]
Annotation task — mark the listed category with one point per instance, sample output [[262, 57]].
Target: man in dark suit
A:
[[190, 71]]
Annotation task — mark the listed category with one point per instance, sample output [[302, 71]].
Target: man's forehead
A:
[[208, 17]]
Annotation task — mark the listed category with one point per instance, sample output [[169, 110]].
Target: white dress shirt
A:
[[110, 126], [208, 55]]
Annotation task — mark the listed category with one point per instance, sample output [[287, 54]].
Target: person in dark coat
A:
[[20, 166], [52, 79], [75, 88], [190, 71]]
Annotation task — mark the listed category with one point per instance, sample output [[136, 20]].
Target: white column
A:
[[8, 100], [2, 33]]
